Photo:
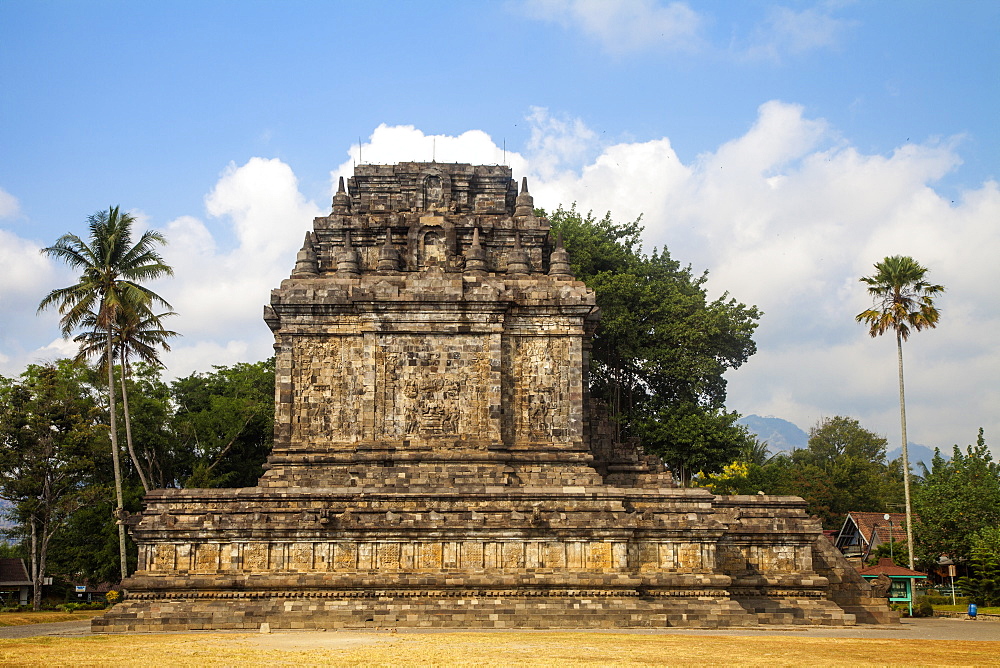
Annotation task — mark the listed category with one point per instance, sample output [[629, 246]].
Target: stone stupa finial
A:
[[388, 256], [524, 205], [349, 261], [518, 261], [475, 256], [559, 260], [306, 264], [341, 200]]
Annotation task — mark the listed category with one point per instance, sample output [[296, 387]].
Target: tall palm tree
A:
[[137, 335], [112, 269], [904, 300]]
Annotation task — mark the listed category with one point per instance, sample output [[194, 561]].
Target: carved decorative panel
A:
[[432, 385], [255, 557], [329, 386], [537, 390]]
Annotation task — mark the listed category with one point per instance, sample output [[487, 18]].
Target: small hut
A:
[[901, 579]]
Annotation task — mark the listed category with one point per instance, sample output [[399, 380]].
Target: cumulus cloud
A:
[[219, 289], [27, 276], [622, 26], [405, 143]]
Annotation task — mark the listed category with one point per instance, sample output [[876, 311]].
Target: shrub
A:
[[922, 607], [946, 600]]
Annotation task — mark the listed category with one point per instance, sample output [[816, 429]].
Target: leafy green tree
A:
[[983, 584], [163, 454], [904, 300], [694, 438], [956, 499], [112, 271], [756, 452], [844, 469], [225, 419], [662, 346], [48, 442]]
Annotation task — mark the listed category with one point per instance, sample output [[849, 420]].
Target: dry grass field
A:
[[46, 617], [487, 649]]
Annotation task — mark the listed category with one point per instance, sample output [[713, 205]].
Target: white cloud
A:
[[27, 277], [9, 206], [631, 26], [218, 292], [786, 31], [404, 143], [557, 142], [623, 26], [787, 217]]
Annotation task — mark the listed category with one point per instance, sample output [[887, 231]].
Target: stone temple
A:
[[438, 462]]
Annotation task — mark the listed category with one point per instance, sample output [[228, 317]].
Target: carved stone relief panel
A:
[[432, 385], [328, 375], [599, 556], [301, 557], [536, 388], [207, 557], [164, 556]]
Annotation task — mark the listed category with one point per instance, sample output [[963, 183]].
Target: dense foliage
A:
[[957, 498], [206, 430], [662, 346], [843, 468], [982, 585], [50, 451]]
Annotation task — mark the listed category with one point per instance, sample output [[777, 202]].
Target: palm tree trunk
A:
[[120, 509], [906, 458], [128, 429], [36, 579]]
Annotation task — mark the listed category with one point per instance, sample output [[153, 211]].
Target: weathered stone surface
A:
[[438, 462]]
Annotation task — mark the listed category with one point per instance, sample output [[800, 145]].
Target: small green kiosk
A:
[[901, 590]]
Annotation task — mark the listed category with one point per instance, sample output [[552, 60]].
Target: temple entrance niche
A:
[[433, 251], [433, 191]]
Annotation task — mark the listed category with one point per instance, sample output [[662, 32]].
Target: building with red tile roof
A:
[[862, 532], [888, 566]]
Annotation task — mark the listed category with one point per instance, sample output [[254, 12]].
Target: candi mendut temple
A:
[[438, 462]]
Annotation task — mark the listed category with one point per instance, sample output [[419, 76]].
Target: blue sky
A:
[[783, 146]]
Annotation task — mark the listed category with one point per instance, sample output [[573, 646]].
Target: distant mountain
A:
[[781, 435], [916, 453]]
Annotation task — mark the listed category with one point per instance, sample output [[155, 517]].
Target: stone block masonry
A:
[[438, 461]]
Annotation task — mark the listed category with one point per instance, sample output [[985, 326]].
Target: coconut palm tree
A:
[[112, 270], [903, 300], [136, 336]]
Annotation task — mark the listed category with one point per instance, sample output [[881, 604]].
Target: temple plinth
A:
[[438, 461]]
